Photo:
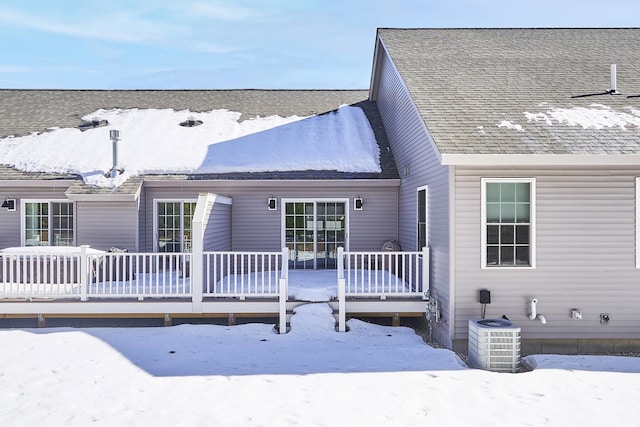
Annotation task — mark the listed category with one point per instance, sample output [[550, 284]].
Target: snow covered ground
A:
[[247, 375]]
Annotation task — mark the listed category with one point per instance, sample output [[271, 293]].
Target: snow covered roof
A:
[[522, 91], [239, 135]]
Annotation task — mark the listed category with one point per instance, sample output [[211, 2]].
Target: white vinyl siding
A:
[[107, 224], [256, 228], [418, 163], [218, 232], [637, 222], [508, 222], [585, 240]]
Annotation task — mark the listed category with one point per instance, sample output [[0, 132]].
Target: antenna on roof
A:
[[116, 170], [614, 81]]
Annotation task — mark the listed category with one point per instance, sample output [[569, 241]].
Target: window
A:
[[421, 217], [173, 225], [48, 223], [508, 221]]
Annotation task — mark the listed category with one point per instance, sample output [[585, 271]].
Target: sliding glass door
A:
[[313, 231]]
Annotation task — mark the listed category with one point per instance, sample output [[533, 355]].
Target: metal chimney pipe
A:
[[114, 135], [614, 78]]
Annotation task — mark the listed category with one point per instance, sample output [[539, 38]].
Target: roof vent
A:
[[614, 81], [191, 122], [114, 136], [613, 89], [94, 123]]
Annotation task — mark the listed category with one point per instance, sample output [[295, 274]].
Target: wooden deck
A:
[[63, 282]]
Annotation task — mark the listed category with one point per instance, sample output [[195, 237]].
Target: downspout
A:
[[452, 253]]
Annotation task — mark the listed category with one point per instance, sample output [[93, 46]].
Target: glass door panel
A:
[[174, 223], [299, 227], [313, 232], [169, 227], [330, 232]]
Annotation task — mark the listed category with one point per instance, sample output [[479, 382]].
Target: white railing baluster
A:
[[342, 304], [84, 273], [228, 274]]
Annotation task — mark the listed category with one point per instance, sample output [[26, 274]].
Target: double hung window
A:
[[508, 222], [48, 223]]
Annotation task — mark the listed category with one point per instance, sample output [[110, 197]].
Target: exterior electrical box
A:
[[485, 296]]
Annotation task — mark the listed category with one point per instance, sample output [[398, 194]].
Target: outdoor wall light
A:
[[272, 204], [357, 204], [10, 204]]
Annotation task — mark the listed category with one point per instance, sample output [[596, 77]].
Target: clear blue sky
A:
[[221, 44]]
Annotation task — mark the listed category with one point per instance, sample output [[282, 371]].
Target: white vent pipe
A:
[[533, 314], [614, 79], [114, 135]]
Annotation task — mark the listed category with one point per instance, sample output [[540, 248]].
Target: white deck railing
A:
[[243, 274], [381, 274], [139, 275], [384, 274], [85, 275], [37, 275], [88, 274]]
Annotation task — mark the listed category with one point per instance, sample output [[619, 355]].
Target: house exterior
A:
[[512, 155], [201, 242], [127, 216], [526, 145]]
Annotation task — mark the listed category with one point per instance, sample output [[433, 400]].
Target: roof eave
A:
[[541, 159], [259, 183]]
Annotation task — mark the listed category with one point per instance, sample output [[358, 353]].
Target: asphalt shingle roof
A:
[[467, 82], [26, 111]]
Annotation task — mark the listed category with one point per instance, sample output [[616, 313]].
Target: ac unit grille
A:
[[494, 345]]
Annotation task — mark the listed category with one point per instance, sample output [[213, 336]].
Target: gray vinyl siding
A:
[[585, 230], [103, 225], [10, 222], [414, 153], [217, 235], [255, 228]]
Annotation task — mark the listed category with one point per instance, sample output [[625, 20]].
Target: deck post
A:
[[395, 319], [284, 283], [342, 303], [84, 272], [198, 227], [197, 277], [425, 273]]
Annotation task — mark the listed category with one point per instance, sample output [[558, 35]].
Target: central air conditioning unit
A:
[[494, 345]]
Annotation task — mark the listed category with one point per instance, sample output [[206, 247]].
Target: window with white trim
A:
[[173, 225], [48, 223], [508, 222], [421, 217]]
